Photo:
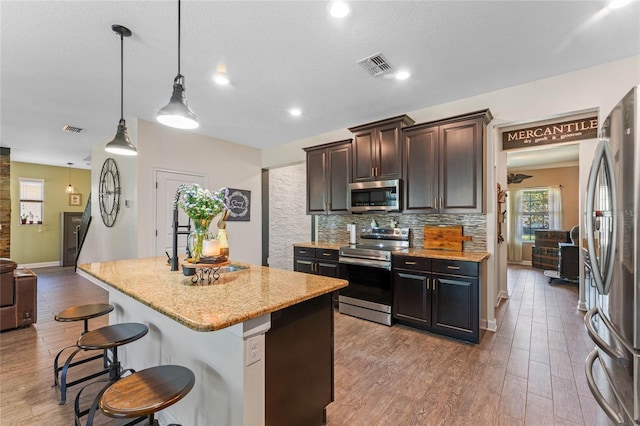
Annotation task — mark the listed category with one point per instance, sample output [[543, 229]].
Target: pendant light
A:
[[70, 189], [120, 143], [177, 112]]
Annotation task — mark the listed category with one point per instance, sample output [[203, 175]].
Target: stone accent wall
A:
[[333, 228], [5, 202], [288, 221]]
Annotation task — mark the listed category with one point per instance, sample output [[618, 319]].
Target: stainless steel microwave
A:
[[378, 195]]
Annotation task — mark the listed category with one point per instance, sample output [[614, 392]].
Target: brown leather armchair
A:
[[18, 295]]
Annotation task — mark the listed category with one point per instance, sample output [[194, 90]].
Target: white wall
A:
[[223, 163], [159, 147], [118, 242]]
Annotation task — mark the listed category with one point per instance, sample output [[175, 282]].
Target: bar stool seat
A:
[[146, 392], [77, 313], [108, 338]]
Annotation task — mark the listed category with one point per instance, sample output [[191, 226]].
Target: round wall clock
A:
[[109, 192]]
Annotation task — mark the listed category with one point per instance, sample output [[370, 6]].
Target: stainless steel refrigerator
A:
[[613, 235]]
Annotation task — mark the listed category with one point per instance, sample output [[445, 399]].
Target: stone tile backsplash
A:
[[333, 228]]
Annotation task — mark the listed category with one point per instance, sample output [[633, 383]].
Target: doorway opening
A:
[[543, 203]]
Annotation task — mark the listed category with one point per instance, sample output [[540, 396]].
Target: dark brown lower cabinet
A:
[[299, 364], [316, 261], [320, 262], [437, 295]]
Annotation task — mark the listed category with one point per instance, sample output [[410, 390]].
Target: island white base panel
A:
[[227, 391]]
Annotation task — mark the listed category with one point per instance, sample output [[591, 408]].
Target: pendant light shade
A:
[[70, 189], [121, 145], [177, 112]]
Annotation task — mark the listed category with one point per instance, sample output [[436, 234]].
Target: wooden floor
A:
[[530, 372]]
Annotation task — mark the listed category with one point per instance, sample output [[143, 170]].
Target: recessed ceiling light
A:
[[617, 4], [339, 9], [221, 79], [220, 76], [402, 75], [296, 112]]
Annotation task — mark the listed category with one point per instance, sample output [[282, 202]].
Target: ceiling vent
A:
[[71, 129], [376, 65]]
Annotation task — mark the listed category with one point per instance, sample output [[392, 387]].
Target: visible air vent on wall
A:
[[71, 129], [376, 65]]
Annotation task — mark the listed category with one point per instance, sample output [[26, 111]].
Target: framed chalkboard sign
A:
[[239, 205]]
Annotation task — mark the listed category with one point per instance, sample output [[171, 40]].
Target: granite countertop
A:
[[472, 256], [234, 298]]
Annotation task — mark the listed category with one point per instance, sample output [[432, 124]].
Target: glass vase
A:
[[197, 237]]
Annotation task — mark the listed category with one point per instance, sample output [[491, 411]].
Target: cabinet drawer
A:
[[412, 263], [304, 252], [326, 254], [456, 267]]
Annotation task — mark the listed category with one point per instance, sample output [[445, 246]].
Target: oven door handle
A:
[[380, 264]]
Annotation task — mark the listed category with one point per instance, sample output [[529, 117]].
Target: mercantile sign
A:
[[551, 133]]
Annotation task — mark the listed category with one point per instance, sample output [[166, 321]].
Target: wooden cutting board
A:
[[444, 237]]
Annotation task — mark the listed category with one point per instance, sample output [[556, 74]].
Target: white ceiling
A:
[[60, 63]]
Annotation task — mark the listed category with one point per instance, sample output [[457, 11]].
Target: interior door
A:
[[72, 221], [167, 183]]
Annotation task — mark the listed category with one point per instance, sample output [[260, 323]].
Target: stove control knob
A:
[[396, 231], [404, 232]]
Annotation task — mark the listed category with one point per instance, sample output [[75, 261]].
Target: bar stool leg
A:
[[61, 380]]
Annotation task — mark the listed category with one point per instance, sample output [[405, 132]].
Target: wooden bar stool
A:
[[108, 338], [78, 313], [146, 392]]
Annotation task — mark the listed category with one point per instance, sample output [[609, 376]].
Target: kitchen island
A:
[[259, 340]]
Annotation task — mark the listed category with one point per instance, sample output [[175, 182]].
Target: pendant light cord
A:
[[121, 77], [179, 38]]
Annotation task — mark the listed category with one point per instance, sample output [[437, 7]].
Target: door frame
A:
[[157, 170]]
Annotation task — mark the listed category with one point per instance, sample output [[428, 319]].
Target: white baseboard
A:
[[503, 294], [489, 325], [40, 265]]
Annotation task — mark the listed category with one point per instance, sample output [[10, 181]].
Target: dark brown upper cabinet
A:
[[377, 149], [444, 164], [328, 177]]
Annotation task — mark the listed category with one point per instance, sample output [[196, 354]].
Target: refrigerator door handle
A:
[[599, 341], [611, 412], [602, 277]]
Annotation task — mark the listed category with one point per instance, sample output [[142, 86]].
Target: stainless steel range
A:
[[368, 265]]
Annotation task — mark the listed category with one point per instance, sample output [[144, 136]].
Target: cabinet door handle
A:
[[409, 263], [428, 280], [440, 202], [453, 267], [302, 252], [377, 171], [326, 254], [315, 267], [434, 285], [435, 203]]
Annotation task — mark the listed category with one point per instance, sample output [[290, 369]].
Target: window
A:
[[534, 211], [31, 200]]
